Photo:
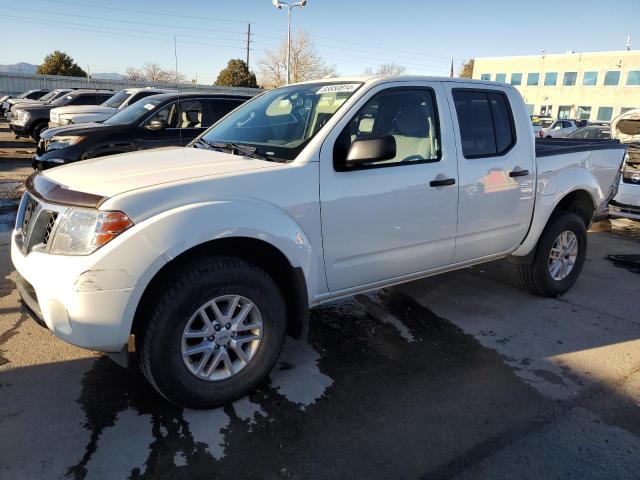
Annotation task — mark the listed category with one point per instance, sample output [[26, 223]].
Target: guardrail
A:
[[16, 83]]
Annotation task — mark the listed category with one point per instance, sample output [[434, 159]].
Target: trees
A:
[[152, 72], [306, 63], [466, 70], [59, 63], [391, 69], [236, 74]]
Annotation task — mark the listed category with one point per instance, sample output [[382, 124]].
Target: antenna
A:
[[629, 42], [175, 54]]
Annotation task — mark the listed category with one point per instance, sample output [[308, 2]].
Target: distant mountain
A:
[[109, 76], [22, 67]]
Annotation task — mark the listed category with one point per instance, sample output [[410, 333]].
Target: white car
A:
[[559, 129], [62, 116], [202, 258], [626, 129]]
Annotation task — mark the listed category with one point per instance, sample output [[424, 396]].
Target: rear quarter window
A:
[[485, 121]]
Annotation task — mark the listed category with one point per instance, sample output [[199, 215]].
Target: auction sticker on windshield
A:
[[149, 106], [343, 87]]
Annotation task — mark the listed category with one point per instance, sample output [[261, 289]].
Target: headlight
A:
[[82, 232], [20, 116], [60, 142]]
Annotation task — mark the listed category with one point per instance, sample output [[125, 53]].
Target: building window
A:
[[530, 107], [590, 79], [550, 79], [533, 79], [545, 110], [605, 114], [612, 78], [564, 111], [569, 79], [485, 76], [633, 77], [583, 113], [501, 77], [516, 79], [626, 109]]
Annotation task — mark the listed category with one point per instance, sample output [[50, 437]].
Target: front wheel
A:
[[37, 130], [214, 333], [559, 256]]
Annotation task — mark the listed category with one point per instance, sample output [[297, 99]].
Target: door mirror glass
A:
[[157, 124], [372, 149]]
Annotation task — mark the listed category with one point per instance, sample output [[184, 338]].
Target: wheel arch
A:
[[290, 279]]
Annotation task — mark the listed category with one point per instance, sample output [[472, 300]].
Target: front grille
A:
[[36, 223], [49, 228]]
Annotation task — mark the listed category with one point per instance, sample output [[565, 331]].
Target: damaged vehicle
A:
[[626, 128], [197, 261]]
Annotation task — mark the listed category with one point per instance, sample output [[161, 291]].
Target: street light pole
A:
[[290, 6]]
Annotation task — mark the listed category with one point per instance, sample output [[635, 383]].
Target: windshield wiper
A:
[[238, 149]]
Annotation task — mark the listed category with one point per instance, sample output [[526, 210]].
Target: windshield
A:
[[49, 96], [117, 100], [24, 94], [279, 123], [135, 111], [62, 100]]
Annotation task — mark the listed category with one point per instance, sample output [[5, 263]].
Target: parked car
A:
[[559, 129], [61, 116], [593, 132], [28, 95], [170, 119], [626, 128], [48, 98], [32, 120], [540, 123], [206, 256]]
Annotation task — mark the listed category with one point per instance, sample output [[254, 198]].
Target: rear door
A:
[[396, 217], [496, 170]]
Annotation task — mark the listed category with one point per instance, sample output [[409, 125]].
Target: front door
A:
[[149, 137], [396, 217], [497, 170]]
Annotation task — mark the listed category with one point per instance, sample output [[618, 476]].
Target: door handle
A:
[[519, 173], [442, 183]]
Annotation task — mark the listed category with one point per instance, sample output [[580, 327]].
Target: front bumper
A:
[[626, 203], [20, 129]]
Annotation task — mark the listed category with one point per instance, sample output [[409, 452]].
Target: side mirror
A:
[[156, 124], [371, 149]]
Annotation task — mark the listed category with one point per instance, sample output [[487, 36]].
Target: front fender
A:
[[552, 188], [165, 236]]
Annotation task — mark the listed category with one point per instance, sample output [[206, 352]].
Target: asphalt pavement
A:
[[463, 375]]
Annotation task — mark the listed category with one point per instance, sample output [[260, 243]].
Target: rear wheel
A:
[[214, 334], [559, 256]]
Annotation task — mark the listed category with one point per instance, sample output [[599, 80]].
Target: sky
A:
[[423, 36]]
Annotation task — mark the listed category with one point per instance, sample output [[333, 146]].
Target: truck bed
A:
[[556, 146]]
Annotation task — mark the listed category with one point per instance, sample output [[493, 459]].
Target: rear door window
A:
[[83, 100], [485, 121], [218, 109]]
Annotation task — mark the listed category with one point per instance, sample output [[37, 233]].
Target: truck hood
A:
[[112, 175], [82, 109]]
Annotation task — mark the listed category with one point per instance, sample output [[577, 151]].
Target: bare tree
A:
[[466, 69], [386, 69], [306, 63], [152, 72]]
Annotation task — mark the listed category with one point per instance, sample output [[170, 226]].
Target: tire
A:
[[37, 130], [161, 345], [537, 276]]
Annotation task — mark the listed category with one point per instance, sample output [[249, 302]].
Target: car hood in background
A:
[[109, 176], [626, 127], [82, 129], [80, 109]]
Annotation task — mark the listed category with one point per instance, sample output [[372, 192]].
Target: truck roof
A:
[[380, 79]]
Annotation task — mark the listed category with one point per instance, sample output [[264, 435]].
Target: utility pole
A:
[[248, 42]]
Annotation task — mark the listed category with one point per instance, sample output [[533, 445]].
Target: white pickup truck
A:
[[201, 259]]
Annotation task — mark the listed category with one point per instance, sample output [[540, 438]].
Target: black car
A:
[[28, 95], [30, 119], [168, 119], [593, 132]]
